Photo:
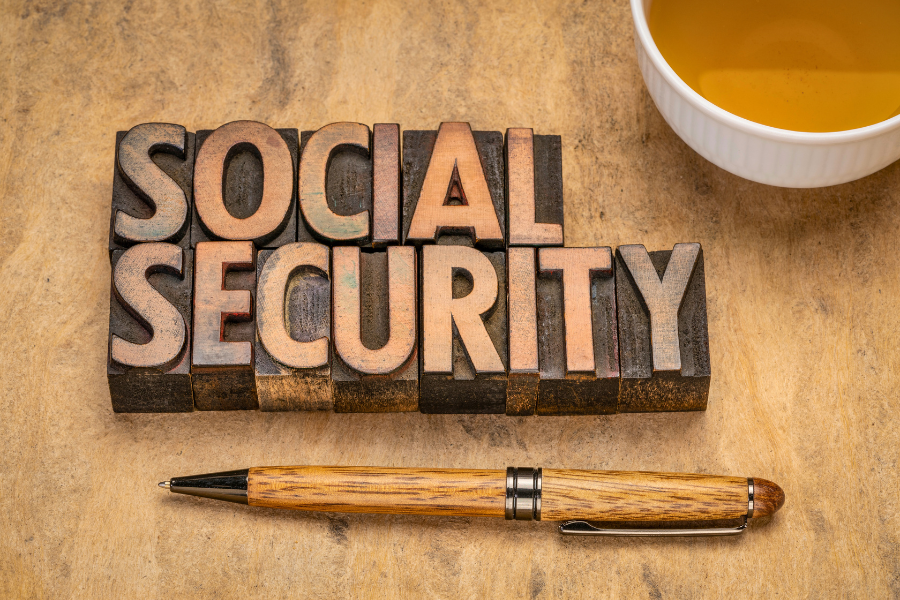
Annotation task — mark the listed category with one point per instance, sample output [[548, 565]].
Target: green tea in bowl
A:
[[801, 65]]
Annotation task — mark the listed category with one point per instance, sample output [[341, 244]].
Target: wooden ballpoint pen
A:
[[575, 497]]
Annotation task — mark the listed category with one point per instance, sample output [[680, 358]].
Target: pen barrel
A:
[[561, 494], [460, 492], [639, 496]]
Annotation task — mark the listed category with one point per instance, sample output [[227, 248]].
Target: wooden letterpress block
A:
[[663, 336], [463, 331], [385, 184], [152, 186], [453, 184], [293, 370], [524, 369], [336, 184], [149, 362], [222, 361], [578, 345], [244, 185], [534, 188], [375, 366]]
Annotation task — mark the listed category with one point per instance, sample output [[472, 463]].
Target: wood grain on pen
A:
[[767, 497], [637, 496], [458, 492]]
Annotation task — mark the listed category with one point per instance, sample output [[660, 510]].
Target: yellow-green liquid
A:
[[823, 65]]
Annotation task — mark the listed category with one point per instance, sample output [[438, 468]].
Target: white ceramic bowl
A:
[[753, 151]]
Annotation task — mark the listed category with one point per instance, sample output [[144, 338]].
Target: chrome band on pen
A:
[[523, 493], [749, 497]]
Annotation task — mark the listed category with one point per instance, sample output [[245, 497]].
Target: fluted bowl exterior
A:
[[758, 152]]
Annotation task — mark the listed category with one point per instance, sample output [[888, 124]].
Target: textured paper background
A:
[[802, 293]]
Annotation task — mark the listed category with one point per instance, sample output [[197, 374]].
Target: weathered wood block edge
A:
[[503, 196]]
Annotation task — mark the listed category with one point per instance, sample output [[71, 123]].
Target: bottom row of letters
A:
[[439, 329]]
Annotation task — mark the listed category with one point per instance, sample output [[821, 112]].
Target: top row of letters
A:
[[344, 184]]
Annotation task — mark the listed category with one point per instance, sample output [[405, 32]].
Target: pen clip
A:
[[585, 528]]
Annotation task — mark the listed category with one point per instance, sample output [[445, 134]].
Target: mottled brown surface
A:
[[802, 293]]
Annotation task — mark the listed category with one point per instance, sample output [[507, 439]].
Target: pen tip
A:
[[164, 484]]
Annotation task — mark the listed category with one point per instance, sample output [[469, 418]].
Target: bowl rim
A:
[[642, 30]]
